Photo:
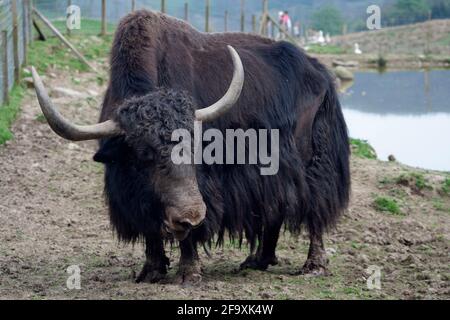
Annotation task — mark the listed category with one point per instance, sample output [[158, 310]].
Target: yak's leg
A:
[[189, 269], [317, 262], [265, 255], [155, 267]]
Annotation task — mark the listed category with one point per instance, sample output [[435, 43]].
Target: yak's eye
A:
[[113, 150]]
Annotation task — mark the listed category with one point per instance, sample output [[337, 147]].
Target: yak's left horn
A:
[[230, 98], [62, 126]]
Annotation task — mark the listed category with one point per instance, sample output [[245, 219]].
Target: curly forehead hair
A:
[[150, 120]]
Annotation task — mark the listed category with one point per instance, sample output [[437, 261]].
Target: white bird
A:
[[357, 49], [321, 39]]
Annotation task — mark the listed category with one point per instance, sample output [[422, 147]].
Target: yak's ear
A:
[[112, 150]]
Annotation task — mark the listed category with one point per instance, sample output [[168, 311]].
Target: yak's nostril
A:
[[185, 225], [199, 225]]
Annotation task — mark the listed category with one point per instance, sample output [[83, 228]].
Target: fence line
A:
[[100, 17], [15, 27]]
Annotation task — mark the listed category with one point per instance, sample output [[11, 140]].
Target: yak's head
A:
[[145, 124]]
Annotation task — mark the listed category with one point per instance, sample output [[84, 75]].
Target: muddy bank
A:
[[52, 216]]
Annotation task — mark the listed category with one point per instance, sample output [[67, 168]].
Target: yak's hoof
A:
[[314, 268], [152, 273], [189, 274], [256, 263]]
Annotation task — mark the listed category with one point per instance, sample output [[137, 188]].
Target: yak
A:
[[162, 73]]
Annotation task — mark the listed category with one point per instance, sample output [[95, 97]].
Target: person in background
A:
[[297, 29], [287, 22], [280, 35]]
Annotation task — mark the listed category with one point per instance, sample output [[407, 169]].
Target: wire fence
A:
[[15, 28], [223, 15], [17, 18]]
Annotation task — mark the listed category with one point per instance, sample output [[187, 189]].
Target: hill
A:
[[431, 37]]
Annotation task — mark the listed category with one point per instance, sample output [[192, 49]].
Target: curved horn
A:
[[230, 98], [62, 126]]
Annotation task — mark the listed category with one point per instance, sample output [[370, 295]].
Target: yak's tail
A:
[[328, 174]]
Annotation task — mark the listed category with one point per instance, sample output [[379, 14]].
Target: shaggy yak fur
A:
[[161, 71]]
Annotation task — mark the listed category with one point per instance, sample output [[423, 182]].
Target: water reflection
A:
[[405, 113]]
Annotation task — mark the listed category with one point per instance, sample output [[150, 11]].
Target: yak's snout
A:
[[180, 221]]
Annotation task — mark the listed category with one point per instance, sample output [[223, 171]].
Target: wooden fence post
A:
[[163, 6], [242, 15], [264, 18], [30, 20], [24, 32], [226, 21], [186, 11], [103, 32], [254, 23], [68, 31], [207, 9], [15, 41], [5, 67]]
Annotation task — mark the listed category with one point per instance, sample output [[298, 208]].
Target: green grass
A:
[[385, 204], [9, 112], [88, 27], [362, 149], [444, 40], [328, 49], [43, 54], [41, 118], [414, 179], [446, 187]]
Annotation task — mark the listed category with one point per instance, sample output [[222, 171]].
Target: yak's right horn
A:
[[62, 126]]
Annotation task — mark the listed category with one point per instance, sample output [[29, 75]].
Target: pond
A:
[[402, 113]]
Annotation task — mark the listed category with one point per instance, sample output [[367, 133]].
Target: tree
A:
[[440, 8], [408, 11], [328, 19]]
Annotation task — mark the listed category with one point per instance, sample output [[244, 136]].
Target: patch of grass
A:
[[385, 204], [43, 54], [41, 118], [362, 149], [415, 180], [328, 49], [439, 205], [9, 112], [445, 40], [446, 187]]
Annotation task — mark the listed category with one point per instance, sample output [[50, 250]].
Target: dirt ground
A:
[[52, 216]]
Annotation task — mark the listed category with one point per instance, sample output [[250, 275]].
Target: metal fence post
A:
[[163, 6], [133, 5]]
